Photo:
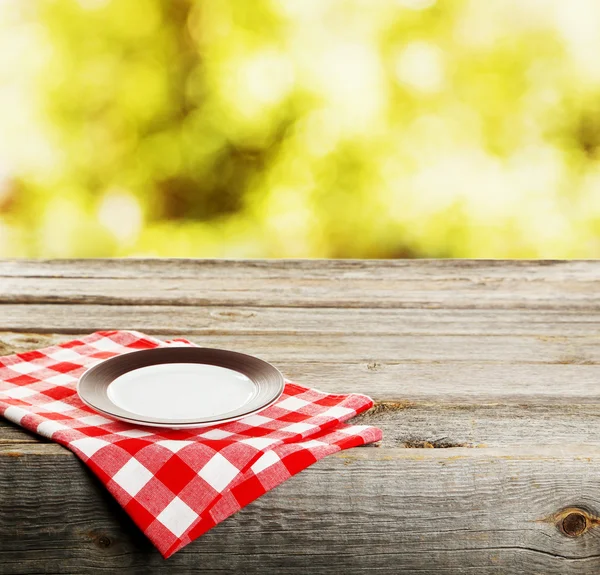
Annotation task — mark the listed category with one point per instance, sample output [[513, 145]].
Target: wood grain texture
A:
[[444, 369], [487, 387], [380, 284], [388, 511], [235, 319], [409, 425]]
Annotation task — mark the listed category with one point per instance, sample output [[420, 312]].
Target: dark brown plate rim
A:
[[93, 384]]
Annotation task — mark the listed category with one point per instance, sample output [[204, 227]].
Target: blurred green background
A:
[[300, 128]]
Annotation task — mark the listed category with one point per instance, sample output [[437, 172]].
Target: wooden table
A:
[[487, 385]]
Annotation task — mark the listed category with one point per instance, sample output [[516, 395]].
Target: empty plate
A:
[[180, 386]]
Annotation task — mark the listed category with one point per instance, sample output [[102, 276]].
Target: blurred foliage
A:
[[300, 128]]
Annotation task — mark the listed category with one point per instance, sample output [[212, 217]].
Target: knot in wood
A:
[[574, 524], [373, 366], [231, 314], [103, 541]]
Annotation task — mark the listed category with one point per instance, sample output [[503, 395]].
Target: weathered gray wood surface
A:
[[487, 384]]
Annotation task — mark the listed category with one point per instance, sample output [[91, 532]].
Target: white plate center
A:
[[181, 390]]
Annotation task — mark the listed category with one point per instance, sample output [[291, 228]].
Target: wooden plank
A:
[[207, 320], [418, 270], [461, 369], [498, 285], [392, 348], [388, 511], [437, 425]]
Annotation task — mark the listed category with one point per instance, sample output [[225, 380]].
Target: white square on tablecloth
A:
[[64, 355], [57, 406], [259, 442], [218, 472], [216, 434], [14, 413], [268, 459], [24, 367], [292, 403], [89, 445], [61, 379], [337, 411], [134, 433], [132, 476], [20, 392], [353, 429], [255, 420], [298, 427], [47, 428], [311, 443], [177, 517], [106, 344], [95, 420]]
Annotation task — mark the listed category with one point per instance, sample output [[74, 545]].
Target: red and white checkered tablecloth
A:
[[175, 484]]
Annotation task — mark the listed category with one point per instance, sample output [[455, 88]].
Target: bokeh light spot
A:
[[120, 213], [420, 67]]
